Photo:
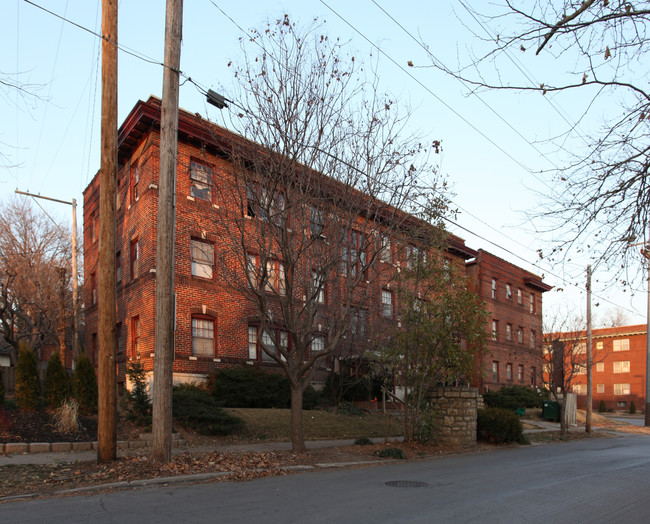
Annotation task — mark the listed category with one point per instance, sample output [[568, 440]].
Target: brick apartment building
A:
[[514, 300], [619, 366], [213, 325]]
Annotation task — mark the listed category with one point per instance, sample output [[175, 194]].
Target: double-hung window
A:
[[265, 204], [386, 303], [203, 337], [414, 256], [386, 254], [135, 258], [135, 337], [200, 180], [202, 259], [622, 366], [256, 344], [318, 287], [134, 180], [275, 275], [316, 222], [353, 255]]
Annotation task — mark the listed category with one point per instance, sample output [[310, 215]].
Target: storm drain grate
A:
[[406, 484]]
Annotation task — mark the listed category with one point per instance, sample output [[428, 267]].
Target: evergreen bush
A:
[[28, 385], [139, 403], [395, 453], [499, 426], [2, 391], [514, 397], [57, 383], [632, 408], [84, 385], [197, 410], [602, 408]]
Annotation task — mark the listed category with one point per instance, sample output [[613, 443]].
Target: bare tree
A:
[[33, 250], [564, 358], [311, 203], [601, 199]]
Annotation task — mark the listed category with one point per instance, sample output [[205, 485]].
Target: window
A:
[[520, 372], [353, 256], [599, 346], [600, 366], [495, 329], [317, 344], [532, 339], [118, 267], [358, 322], [318, 286], [275, 277], [93, 288], [621, 344], [202, 255], [580, 389], [251, 270], [135, 258], [580, 348], [386, 303], [508, 291], [533, 376], [414, 256], [508, 331], [520, 335], [200, 181], [579, 369], [386, 254], [622, 366], [494, 288], [264, 204], [621, 389], [134, 179], [495, 371], [532, 302], [203, 337], [316, 222], [93, 227], [621, 404], [600, 388], [520, 297], [255, 345], [508, 371], [135, 337]]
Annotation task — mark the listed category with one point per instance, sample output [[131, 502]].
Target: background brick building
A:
[[514, 300]]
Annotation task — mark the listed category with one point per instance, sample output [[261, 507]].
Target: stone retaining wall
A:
[[456, 415]]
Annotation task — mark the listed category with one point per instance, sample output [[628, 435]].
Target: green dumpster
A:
[[551, 411]]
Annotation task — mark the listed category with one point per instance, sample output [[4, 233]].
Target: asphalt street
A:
[[592, 480]]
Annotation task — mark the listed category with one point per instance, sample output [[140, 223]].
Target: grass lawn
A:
[[274, 424]]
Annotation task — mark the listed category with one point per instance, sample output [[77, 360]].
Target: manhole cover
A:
[[406, 484]]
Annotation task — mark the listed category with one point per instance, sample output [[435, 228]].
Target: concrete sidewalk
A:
[[91, 455]]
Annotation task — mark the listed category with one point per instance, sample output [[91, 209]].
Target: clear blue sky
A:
[[51, 146]]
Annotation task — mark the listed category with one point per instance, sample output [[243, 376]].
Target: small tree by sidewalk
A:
[[28, 385]]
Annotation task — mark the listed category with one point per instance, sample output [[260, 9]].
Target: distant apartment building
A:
[[514, 300], [619, 366]]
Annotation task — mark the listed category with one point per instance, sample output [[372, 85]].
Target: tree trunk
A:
[[297, 435]]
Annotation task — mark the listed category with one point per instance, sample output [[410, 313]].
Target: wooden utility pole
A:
[[589, 354], [106, 379], [164, 345]]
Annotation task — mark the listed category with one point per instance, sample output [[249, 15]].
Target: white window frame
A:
[[386, 303], [621, 366], [600, 388], [202, 255], [600, 366], [203, 337], [494, 288], [200, 180], [621, 344], [622, 389]]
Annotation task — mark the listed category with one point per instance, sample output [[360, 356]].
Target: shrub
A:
[[66, 417], [349, 409], [632, 408], [2, 391], [248, 387], [363, 441], [57, 384], [139, 403], [499, 426], [28, 385], [346, 388], [602, 408], [395, 453], [196, 409], [514, 397], [84, 385]]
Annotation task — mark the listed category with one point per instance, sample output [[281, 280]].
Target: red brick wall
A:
[[508, 311]]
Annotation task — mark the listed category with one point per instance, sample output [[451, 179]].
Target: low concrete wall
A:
[[456, 413]]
